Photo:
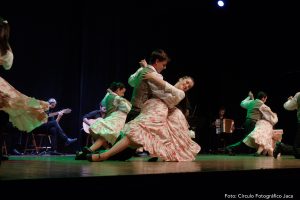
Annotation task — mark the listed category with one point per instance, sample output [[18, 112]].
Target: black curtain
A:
[[72, 51]]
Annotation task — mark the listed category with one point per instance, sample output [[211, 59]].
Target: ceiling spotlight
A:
[[220, 3]]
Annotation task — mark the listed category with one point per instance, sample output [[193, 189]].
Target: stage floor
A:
[[44, 167], [240, 174]]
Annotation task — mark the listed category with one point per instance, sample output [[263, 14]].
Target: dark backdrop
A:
[[73, 51]]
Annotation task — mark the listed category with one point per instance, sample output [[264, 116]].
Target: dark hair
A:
[[187, 77], [158, 54], [261, 95], [4, 36], [222, 108], [116, 85]]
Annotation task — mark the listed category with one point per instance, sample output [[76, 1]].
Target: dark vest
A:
[[142, 91], [110, 108], [253, 111]]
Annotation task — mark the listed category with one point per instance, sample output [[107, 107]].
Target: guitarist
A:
[[51, 115], [53, 128]]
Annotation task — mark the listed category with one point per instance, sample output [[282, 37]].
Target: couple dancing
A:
[[160, 127]]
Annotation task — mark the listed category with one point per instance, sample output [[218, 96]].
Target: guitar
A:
[[64, 111], [86, 127]]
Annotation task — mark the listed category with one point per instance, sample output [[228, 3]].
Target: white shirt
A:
[[292, 104], [170, 94]]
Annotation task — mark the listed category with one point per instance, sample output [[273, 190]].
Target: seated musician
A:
[[222, 127], [53, 128]]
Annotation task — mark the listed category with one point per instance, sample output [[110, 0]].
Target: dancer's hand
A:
[[250, 94], [143, 63], [149, 76]]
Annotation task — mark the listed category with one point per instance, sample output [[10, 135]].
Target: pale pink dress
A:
[[262, 135], [163, 131], [24, 112]]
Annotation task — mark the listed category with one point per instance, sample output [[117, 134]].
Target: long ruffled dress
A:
[[25, 113]]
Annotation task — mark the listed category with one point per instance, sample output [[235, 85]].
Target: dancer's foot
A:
[[82, 154]]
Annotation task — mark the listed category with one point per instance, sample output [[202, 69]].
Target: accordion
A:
[[228, 126]]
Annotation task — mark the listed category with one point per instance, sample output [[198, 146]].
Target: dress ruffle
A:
[[261, 135], [25, 113], [162, 134]]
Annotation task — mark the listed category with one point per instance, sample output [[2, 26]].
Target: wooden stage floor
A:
[[226, 173]]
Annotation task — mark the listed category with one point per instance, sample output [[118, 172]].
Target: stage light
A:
[[220, 3]]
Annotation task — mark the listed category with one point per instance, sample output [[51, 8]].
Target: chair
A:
[[44, 145], [37, 146]]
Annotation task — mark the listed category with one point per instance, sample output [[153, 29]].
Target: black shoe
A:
[[70, 141], [123, 155], [154, 159], [82, 155], [89, 157], [277, 149]]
